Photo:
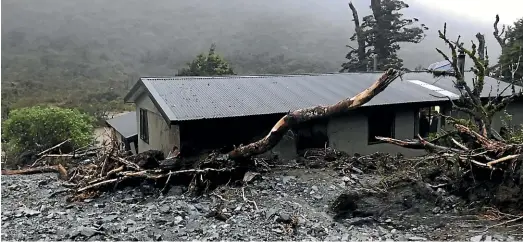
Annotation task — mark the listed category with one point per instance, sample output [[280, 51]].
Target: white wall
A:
[[162, 136]]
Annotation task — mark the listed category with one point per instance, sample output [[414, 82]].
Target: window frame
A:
[[144, 126]]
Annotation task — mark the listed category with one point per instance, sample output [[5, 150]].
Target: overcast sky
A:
[[481, 10]]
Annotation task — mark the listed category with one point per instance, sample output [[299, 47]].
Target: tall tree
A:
[[510, 38], [210, 64], [381, 33]]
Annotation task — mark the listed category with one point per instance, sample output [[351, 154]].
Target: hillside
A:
[[81, 53]]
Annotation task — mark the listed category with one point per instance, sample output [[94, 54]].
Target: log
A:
[[420, 144], [303, 115], [42, 169]]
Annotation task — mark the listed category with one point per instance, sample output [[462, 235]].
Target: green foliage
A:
[[383, 31], [513, 133], [37, 128], [210, 64], [512, 53]]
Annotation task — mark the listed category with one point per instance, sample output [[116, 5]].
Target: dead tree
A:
[[470, 101], [500, 36]]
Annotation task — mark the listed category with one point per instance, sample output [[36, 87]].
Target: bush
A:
[[38, 128], [513, 133]]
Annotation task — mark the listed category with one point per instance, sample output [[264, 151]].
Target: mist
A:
[[173, 32]]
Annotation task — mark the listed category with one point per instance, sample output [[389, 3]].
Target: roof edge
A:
[[133, 90], [162, 106]]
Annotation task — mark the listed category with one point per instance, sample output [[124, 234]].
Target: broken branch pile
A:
[[479, 150], [481, 169]]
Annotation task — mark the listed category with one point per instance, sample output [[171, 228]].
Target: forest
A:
[[87, 55]]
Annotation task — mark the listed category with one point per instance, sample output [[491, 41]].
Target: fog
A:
[[158, 37]]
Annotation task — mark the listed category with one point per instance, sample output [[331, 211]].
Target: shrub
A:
[[38, 128], [513, 133]]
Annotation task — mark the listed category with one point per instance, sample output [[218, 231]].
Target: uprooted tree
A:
[[112, 167], [479, 153]]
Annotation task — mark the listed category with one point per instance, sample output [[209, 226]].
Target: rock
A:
[[318, 197], [345, 179], [202, 208], [417, 238], [271, 212], [130, 222], [488, 238], [286, 179], [436, 210], [109, 218], [360, 221], [389, 221], [29, 212], [314, 188], [85, 231], [178, 219], [393, 231], [476, 238], [165, 208], [284, 218], [345, 237], [175, 191], [98, 205]]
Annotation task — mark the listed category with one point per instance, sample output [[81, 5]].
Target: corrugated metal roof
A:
[[125, 124], [190, 98]]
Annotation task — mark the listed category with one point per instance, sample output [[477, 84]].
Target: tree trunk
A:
[[303, 115], [359, 34], [381, 43]]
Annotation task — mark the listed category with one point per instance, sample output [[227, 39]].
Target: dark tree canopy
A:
[[512, 51], [380, 33], [210, 64]]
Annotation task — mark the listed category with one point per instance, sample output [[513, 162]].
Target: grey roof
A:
[[191, 98], [125, 124]]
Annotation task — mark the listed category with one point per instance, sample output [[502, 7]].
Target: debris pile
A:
[[479, 168], [94, 170]]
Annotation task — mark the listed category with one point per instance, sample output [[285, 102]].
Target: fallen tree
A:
[[307, 114], [111, 167]]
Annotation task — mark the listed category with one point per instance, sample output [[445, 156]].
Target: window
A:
[[427, 121], [380, 123], [312, 134], [144, 126]]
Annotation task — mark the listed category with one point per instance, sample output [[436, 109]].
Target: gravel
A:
[[292, 205]]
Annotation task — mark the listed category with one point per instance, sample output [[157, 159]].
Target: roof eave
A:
[[158, 101], [131, 96]]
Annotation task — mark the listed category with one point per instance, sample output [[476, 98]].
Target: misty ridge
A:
[[58, 49]]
